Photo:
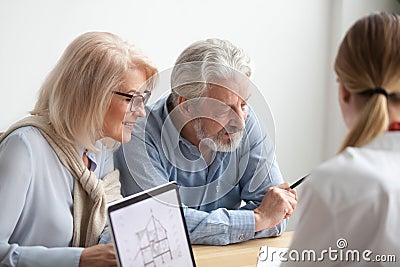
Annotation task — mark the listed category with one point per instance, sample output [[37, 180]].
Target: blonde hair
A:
[[77, 92], [369, 58]]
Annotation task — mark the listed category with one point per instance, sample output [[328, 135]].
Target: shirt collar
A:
[[388, 141], [91, 156], [170, 135]]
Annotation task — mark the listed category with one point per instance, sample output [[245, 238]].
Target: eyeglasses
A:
[[136, 100]]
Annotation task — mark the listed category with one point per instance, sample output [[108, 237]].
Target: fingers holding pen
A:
[[293, 203], [278, 203], [288, 199], [285, 198], [292, 193]]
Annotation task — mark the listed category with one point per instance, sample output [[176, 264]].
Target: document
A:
[[271, 256]]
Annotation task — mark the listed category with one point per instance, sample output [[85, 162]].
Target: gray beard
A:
[[216, 144]]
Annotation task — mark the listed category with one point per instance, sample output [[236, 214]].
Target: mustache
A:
[[230, 129]]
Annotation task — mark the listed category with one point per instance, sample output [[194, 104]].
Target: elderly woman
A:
[[56, 166]]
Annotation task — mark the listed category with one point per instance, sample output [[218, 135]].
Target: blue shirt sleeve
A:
[[222, 226]]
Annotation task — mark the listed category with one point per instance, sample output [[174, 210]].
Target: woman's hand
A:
[[98, 256]]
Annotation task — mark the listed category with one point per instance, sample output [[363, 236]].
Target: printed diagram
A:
[[153, 237], [155, 249]]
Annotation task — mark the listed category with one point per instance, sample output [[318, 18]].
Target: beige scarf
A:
[[90, 193]]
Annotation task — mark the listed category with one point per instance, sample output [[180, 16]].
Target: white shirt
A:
[[353, 199], [36, 196]]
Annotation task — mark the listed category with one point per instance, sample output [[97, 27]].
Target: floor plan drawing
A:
[[154, 244], [151, 232]]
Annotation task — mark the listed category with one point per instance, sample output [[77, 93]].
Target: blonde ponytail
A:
[[372, 122]]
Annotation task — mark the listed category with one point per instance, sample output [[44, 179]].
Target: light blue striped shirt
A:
[[36, 195], [212, 194]]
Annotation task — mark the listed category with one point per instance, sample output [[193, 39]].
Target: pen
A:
[[298, 182]]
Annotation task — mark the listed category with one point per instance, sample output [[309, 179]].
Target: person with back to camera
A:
[[204, 136], [56, 172], [351, 203]]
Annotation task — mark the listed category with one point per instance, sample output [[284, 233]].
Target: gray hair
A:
[[206, 61]]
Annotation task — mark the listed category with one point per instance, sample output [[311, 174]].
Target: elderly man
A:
[[205, 137]]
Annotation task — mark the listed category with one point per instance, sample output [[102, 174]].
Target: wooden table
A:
[[237, 255]]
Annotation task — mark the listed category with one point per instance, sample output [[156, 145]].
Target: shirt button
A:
[[241, 236]]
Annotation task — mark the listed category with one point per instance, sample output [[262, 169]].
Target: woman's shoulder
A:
[[26, 134], [353, 174], [27, 141]]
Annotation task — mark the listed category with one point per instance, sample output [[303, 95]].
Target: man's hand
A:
[[278, 203], [99, 255]]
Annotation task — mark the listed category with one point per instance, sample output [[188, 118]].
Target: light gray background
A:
[[292, 44]]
